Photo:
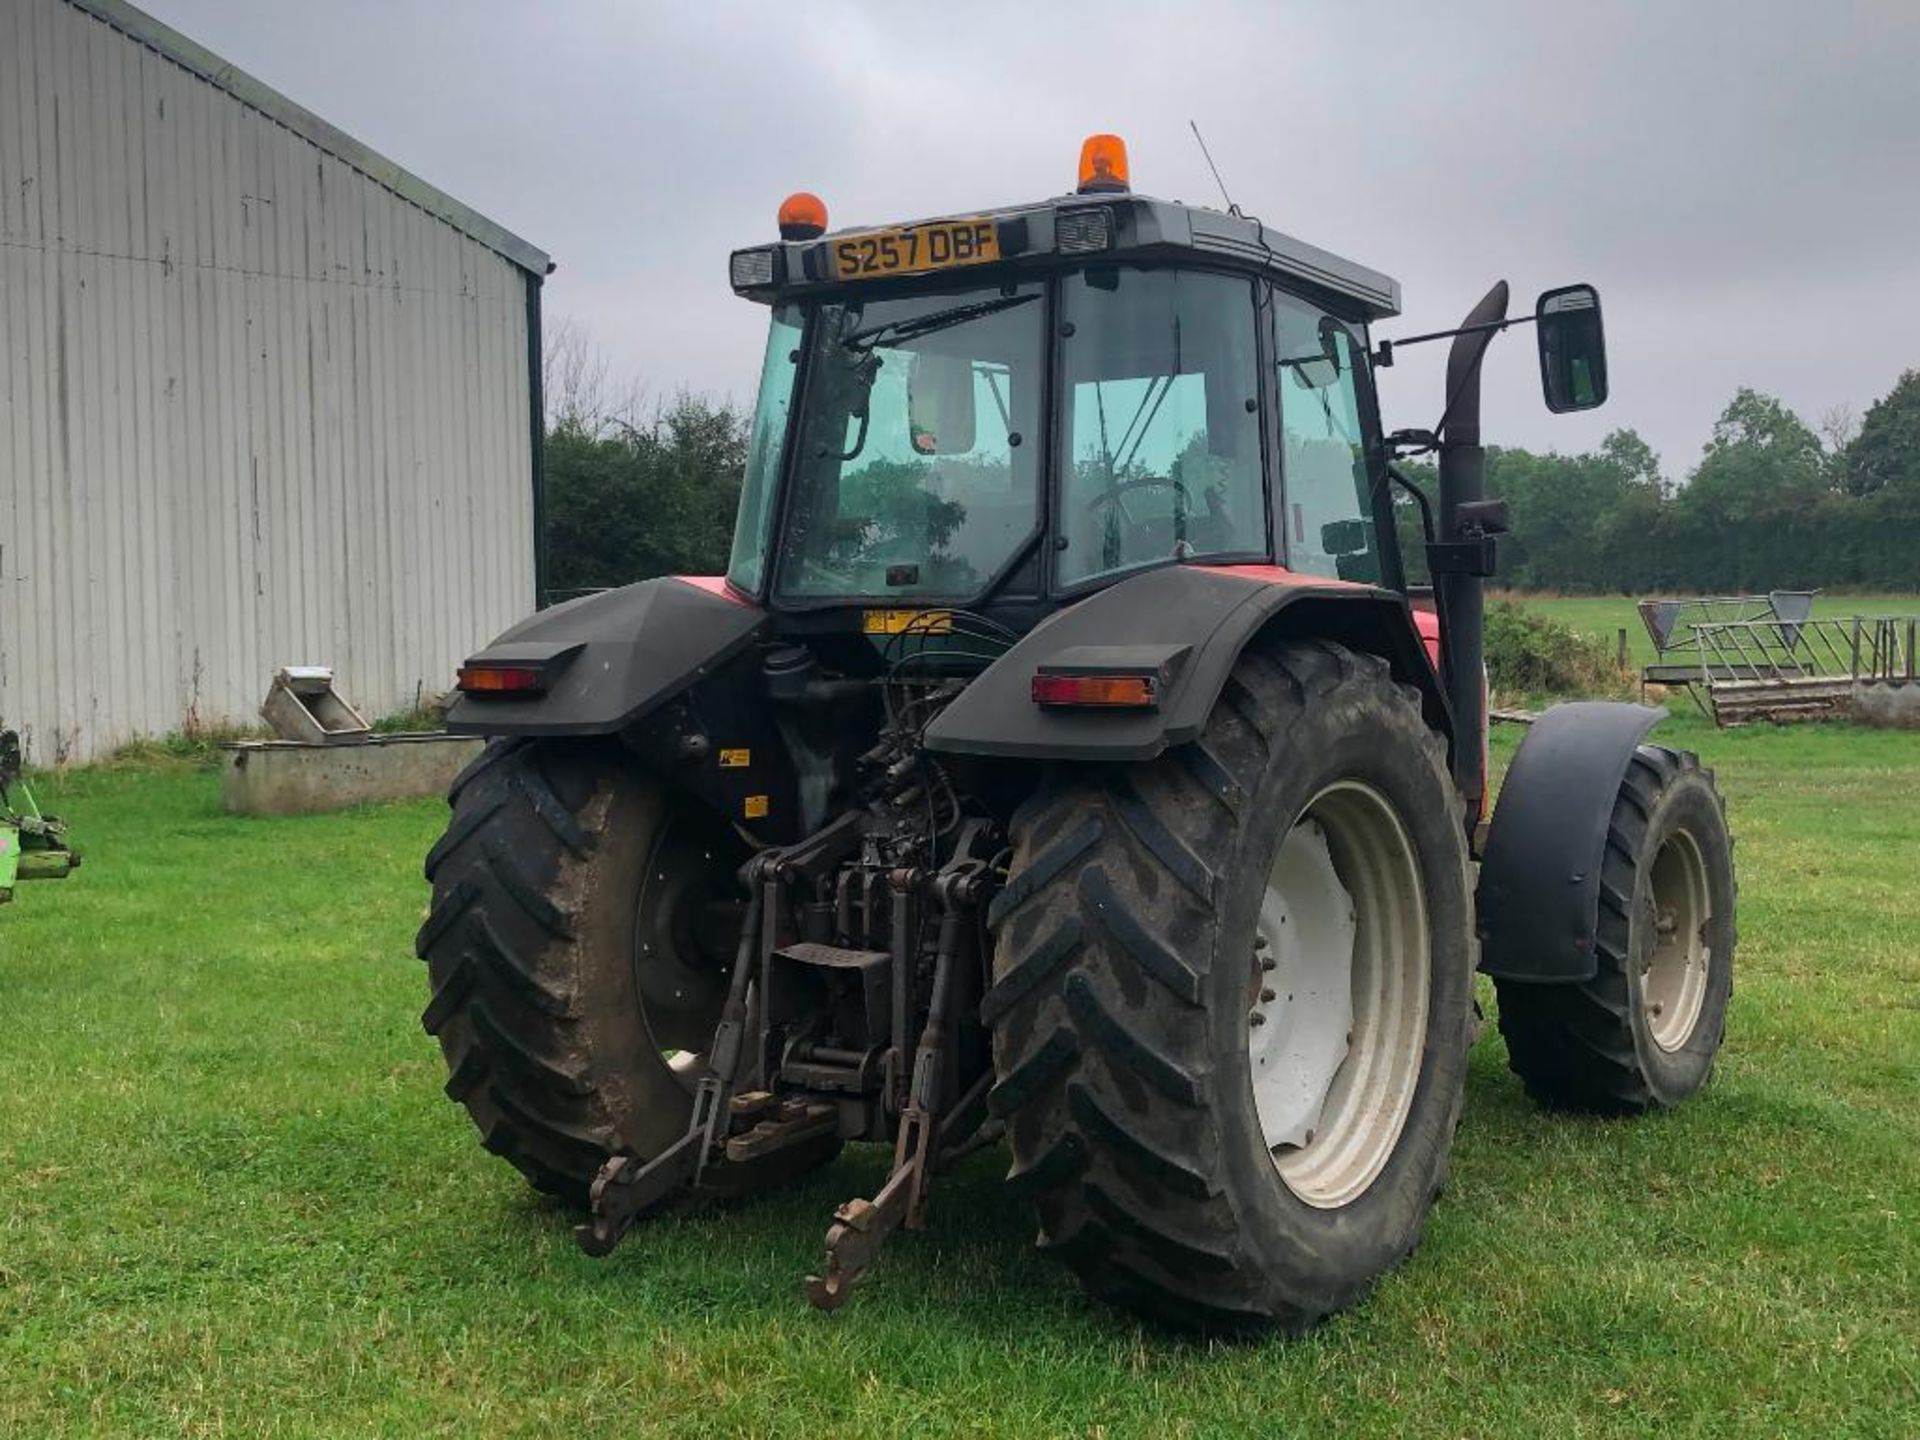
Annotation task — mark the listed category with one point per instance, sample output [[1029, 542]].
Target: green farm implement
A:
[[32, 846]]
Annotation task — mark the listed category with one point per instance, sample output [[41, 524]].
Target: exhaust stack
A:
[[1459, 590]]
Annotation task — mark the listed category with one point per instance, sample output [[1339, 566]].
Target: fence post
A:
[[1856, 649], [1623, 648]]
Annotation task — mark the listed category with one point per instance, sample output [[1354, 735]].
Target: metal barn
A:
[[265, 398]]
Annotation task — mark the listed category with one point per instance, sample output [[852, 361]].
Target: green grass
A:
[[233, 1201]]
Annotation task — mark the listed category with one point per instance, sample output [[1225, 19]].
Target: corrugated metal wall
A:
[[255, 408]]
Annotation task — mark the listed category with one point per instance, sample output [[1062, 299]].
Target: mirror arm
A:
[[1383, 357]]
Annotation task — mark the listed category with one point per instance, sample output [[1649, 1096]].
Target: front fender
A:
[[1209, 613], [1539, 899]]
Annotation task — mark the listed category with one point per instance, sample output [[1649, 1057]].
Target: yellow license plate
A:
[[901, 622], [938, 245]]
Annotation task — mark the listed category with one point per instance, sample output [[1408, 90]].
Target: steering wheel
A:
[[1111, 495]]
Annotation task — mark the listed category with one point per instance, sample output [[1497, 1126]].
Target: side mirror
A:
[[940, 416], [1573, 348]]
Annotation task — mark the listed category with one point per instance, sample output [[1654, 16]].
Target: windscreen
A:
[[917, 460]]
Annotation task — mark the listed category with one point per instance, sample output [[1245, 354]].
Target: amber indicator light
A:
[[1103, 165], [803, 216]]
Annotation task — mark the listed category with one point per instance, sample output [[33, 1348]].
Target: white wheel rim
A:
[[1337, 1022], [687, 1066], [1673, 977]]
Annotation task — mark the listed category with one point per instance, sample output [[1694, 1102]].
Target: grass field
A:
[[233, 1201]]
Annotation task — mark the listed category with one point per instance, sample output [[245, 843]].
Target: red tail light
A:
[[498, 679], [1112, 692]]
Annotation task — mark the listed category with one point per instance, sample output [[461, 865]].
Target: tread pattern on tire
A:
[[1572, 1045], [1103, 1044], [494, 939]]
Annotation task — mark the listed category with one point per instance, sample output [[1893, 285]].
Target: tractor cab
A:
[[1006, 410]]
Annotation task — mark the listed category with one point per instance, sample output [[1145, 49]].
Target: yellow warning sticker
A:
[[756, 807], [735, 759], [901, 622]]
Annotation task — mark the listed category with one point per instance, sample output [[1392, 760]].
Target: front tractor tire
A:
[[1643, 1032], [575, 976], [1232, 1000]]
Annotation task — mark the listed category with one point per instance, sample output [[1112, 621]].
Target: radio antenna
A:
[[1207, 155]]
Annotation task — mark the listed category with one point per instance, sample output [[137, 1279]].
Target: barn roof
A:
[[163, 39]]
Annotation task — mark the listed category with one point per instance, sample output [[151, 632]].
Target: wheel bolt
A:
[[1254, 1017], [1267, 962], [1266, 997]]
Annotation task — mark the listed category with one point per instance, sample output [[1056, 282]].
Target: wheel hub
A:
[[1673, 971], [1302, 1008], [679, 970]]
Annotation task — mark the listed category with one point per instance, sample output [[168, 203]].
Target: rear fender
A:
[[612, 658], [669, 665], [1200, 619], [1539, 898]]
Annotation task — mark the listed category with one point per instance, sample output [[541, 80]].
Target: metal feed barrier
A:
[[1765, 657]]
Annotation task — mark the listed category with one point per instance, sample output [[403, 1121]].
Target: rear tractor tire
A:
[[575, 970], [1232, 1000], [1644, 1031]]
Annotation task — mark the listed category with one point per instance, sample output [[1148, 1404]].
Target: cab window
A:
[[1161, 425], [755, 512], [1325, 491], [913, 475]]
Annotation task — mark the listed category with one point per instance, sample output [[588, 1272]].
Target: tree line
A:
[[1771, 503]]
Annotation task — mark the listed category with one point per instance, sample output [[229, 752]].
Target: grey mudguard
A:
[[1539, 900], [618, 655], [1213, 613]]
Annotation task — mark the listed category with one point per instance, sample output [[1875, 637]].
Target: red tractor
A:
[[1064, 756]]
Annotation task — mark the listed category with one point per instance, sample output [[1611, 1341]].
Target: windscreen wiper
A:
[[894, 331]]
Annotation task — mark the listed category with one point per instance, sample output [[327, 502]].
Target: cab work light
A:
[[1075, 232], [500, 679], [1107, 692], [751, 269]]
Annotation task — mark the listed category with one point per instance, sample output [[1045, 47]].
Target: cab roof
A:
[[1071, 229]]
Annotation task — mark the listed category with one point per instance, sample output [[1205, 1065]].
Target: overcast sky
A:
[[1740, 178]]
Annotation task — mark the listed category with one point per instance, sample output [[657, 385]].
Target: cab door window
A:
[[1326, 494], [1161, 425]]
